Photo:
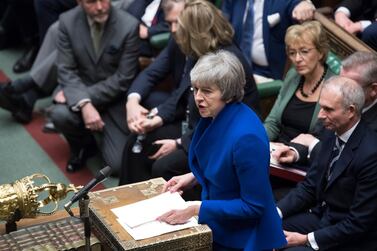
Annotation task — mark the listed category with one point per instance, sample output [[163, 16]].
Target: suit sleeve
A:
[[252, 173], [355, 7], [153, 74], [67, 67], [168, 110], [112, 87], [303, 197], [362, 215]]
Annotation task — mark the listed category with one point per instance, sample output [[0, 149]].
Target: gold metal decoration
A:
[[25, 198]]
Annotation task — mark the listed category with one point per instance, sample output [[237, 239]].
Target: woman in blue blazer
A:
[[229, 158]]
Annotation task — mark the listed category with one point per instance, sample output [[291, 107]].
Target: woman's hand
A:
[[167, 146], [180, 183], [180, 216]]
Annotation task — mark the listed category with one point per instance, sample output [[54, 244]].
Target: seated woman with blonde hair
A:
[[296, 107]]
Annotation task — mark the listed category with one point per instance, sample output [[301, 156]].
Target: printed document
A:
[[139, 219]]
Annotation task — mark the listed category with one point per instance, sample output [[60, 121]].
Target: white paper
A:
[[139, 219], [155, 228]]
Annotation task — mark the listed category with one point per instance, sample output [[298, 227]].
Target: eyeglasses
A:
[[303, 53]]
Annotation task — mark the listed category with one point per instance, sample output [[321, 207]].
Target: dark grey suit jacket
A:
[[102, 78]]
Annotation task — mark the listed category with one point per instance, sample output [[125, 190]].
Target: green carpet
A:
[[22, 155]]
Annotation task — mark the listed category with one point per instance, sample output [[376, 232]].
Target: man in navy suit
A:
[[334, 208], [271, 19]]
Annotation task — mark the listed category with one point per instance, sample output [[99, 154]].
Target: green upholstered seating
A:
[[159, 41], [270, 89]]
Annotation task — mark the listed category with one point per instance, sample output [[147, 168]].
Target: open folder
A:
[[139, 219]]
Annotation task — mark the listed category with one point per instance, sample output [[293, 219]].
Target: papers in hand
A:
[[139, 219], [272, 159]]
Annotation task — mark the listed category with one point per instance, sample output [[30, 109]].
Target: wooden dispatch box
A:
[[114, 237]]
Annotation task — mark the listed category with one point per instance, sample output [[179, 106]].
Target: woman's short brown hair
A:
[[310, 31], [202, 28]]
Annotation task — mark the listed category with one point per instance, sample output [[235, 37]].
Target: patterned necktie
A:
[[334, 156], [248, 31], [96, 36]]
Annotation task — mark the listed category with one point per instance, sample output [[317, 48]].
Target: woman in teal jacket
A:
[[296, 107], [229, 158]]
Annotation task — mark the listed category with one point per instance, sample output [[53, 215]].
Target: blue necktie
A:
[[334, 156], [248, 31]]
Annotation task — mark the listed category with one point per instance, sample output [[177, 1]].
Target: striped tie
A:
[[337, 150]]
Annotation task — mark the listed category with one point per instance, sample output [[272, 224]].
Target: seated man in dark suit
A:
[[334, 208], [362, 68], [98, 49], [359, 18]]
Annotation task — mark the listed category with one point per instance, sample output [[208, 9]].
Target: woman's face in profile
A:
[[208, 99], [305, 57]]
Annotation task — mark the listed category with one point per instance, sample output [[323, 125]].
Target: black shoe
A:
[[16, 104], [49, 127], [78, 160], [3, 38], [26, 61]]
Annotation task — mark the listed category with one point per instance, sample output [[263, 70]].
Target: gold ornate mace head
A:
[[26, 197]]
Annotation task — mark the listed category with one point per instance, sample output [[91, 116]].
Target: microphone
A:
[[101, 176]]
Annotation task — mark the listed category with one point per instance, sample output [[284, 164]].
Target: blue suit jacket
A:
[[347, 203], [170, 62], [229, 157], [273, 36]]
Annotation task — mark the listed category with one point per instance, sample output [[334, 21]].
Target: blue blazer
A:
[[229, 157], [273, 37]]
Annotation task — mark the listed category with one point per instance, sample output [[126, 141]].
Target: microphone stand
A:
[[84, 215]]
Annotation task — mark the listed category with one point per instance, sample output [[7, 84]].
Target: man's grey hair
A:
[[167, 5], [223, 69], [350, 91], [365, 64]]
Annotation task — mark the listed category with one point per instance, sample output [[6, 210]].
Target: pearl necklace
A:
[[315, 87]]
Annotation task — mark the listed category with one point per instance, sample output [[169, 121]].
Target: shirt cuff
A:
[[134, 95], [297, 155], [365, 24], [77, 107], [313, 244], [279, 212], [344, 10], [311, 147]]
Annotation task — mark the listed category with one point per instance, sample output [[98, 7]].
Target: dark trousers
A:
[[303, 223], [48, 12], [137, 166], [111, 140]]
